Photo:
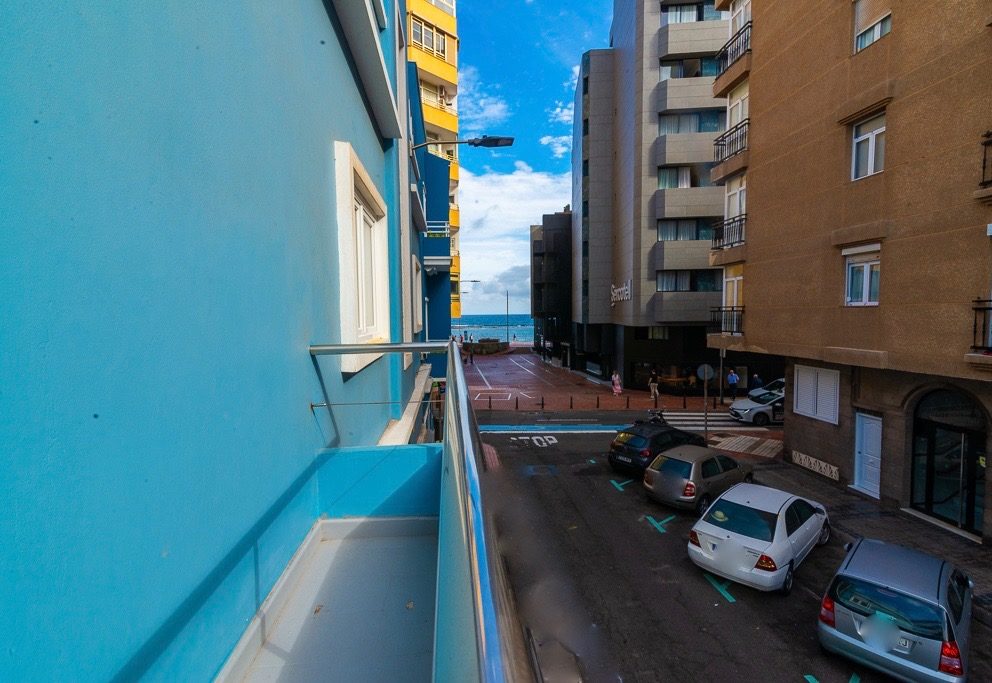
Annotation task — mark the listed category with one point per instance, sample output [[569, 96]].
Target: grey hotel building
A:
[[644, 204]]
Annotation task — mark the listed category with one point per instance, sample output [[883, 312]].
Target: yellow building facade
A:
[[432, 29]]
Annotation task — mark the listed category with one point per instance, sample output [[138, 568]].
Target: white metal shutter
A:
[[827, 395], [804, 390]]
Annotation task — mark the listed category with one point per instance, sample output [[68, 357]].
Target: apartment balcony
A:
[[727, 320], [445, 70], [684, 307], [690, 94], [388, 524], [453, 171], [435, 246], [683, 148], [678, 255], [729, 232], [689, 202], [454, 217], [730, 152], [734, 62], [440, 115], [692, 38], [980, 355], [722, 5]]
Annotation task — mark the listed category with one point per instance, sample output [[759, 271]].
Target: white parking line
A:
[[512, 360], [488, 385]]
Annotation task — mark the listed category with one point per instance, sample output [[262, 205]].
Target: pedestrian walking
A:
[[615, 380], [653, 383], [756, 382], [732, 380]]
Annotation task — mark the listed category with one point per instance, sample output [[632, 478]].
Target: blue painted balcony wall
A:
[[168, 254]]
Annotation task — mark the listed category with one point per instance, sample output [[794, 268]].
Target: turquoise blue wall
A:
[[167, 255]]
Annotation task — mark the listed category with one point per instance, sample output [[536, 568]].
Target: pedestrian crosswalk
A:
[[697, 421]]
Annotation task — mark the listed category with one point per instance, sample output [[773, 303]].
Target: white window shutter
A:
[[804, 390], [827, 395]]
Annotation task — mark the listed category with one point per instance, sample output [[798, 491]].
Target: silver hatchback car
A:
[[692, 476], [899, 611]]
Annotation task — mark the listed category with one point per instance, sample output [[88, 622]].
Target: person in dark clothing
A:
[[756, 382]]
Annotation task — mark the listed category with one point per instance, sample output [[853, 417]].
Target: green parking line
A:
[[721, 587], [809, 678], [619, 487], [660, 526]]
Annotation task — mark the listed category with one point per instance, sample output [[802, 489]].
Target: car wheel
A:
[[824, 534], [787, 581], [702, 504], [749, 478], [760, 420]]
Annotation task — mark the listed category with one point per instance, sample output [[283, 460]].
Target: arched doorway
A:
[[949, 433]]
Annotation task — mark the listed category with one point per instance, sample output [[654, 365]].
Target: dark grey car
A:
[[900, 611], [692, 476]]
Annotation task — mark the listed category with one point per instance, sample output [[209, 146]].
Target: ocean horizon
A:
[[517, 326]]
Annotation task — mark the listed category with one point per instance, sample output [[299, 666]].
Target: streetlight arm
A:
[[484, 141]]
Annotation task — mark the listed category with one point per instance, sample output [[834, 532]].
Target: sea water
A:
[[498, 326]]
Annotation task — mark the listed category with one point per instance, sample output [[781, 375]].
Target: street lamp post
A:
[[507, 317], [484, 141]]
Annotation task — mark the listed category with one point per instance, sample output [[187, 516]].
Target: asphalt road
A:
[[593, 570]]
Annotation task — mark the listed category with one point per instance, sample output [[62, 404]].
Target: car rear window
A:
[[632, 440], [908, 613], [741, 519], [672, 466]]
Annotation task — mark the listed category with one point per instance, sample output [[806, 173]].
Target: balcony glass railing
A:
[[727, 319], [447, 6], [729, 232], [738, 46], [435, 100], [732, 142], [982, 328]]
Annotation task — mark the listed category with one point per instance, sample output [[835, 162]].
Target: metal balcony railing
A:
[[477, 590], [729, 232], [981, 330], [986, 159], [738, 46], [727, 319], [438, 229], [732, 142]]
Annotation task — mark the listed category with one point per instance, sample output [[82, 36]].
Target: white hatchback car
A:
[[758, 536]]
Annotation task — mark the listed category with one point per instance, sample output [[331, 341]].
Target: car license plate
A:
[[623, 458]]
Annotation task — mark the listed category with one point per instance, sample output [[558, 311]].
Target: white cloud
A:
[[477, 107], [497, 210], [573, 80], [560, 144], [563, 113]]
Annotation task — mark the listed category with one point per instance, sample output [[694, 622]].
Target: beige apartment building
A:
[[644, 202], [857, 238]]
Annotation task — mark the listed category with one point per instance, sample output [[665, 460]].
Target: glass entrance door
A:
[[949, 473]]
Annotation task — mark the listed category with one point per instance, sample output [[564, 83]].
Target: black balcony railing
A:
[[730, 232], [732, 142], [986, 159], [738, 46], [982, 332], [727, 319]]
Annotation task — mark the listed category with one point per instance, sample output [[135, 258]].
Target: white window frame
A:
[[858, 264], [740, 14], [418, 295], [878, 29], [363, 250], [738, 103], [871, 137], [816, 393], [736, 196]]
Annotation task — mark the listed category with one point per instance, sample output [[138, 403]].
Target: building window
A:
[[872, 20], [429, 38], [708, 280], [868, 152], [585, 85], [688, 68], [816, 393], [585, 126], [707, 121], [685, 229], [740, 14], [672, 177], [658, 332], [863, 271], [585, 168], [688, 13], [737, 104], [363, 254], [736, 196]]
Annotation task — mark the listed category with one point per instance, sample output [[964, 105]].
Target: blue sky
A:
[[517, 65]]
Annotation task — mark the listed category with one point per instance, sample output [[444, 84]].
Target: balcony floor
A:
[[362, 608]]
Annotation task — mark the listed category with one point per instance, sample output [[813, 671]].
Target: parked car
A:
[[775, 385], [692, 476], [636, 446], [899, 611], [758, 536], [760, 410]]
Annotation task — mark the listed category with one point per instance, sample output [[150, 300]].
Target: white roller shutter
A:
[[817, 393]]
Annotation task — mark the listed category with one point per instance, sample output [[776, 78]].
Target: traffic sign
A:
[[705, 372]]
